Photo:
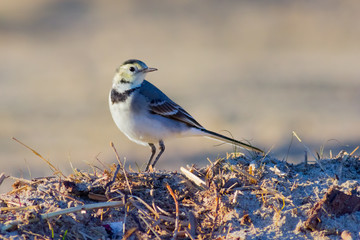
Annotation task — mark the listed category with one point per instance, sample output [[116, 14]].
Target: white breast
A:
[[139, 125]]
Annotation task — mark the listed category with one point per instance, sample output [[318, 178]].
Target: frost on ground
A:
[[237, 197]]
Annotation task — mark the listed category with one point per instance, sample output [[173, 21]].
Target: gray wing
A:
[[160, 104]]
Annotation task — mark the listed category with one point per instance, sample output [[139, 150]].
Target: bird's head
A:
[[132, 72]]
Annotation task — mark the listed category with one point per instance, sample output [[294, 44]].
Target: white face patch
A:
[[127, 77]]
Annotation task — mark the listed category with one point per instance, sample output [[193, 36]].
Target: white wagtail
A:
[[147, 116]]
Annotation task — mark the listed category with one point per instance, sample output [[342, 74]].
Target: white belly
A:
[[143, 127]]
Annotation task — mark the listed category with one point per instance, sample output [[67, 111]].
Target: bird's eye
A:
[[132, 69]]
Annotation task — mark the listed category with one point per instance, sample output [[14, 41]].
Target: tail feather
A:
[[223, 138]]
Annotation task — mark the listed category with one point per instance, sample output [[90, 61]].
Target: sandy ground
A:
[[237, 197]]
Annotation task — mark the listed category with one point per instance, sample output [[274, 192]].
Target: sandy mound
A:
[[237, 197]]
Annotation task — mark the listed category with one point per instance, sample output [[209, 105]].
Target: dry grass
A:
[[234, 197]]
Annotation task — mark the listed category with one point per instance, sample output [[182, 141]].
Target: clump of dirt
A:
[[236, 197]]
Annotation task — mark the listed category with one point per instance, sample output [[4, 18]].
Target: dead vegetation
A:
[[236, 197]]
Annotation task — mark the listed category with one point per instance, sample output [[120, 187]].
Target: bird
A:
[[147, 116]]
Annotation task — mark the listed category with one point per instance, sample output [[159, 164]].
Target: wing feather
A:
[[160, 104]]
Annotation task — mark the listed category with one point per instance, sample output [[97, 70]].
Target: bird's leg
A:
[[153, 151], [162, 149]]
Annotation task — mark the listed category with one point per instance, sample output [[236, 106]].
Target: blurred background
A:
[[256, 69]]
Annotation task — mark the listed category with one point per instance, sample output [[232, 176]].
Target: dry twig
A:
[[122, 166], [176, 210], [195, 179]]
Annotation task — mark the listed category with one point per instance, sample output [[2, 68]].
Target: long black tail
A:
[[223, 138]]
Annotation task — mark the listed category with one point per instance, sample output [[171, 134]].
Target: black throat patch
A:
[[117, 97]]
